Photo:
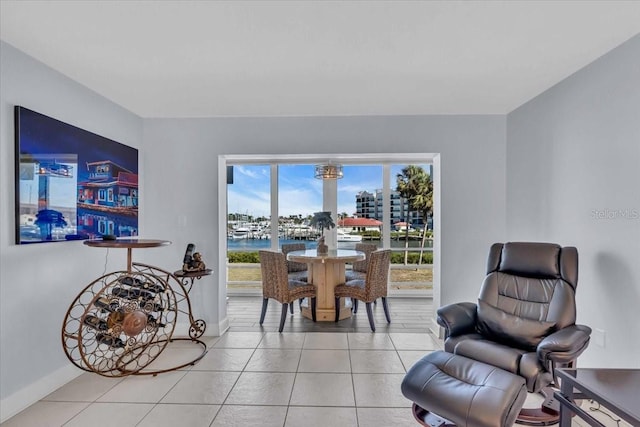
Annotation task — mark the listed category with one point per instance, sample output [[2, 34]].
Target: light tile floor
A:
[[246, 378], [256, 377]]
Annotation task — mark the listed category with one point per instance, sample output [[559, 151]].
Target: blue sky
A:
[[299, 191]]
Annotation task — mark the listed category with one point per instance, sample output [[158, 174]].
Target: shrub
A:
[[242, 257], [371, 234], [398, 258]]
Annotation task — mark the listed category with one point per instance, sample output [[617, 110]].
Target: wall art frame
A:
[[71, 184]]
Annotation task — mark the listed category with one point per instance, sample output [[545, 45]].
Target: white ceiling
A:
[[295, 58]]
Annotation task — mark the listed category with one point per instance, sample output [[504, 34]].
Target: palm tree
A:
[[423, 203], [322, 220], [47, 220], [414, 185]]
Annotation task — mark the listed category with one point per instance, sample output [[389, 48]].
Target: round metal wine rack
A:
[[120, 323]]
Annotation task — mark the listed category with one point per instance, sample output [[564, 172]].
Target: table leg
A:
[[566, 388], [325, 277]]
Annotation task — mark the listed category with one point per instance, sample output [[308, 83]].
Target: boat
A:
[[344, 237], [240, 233]]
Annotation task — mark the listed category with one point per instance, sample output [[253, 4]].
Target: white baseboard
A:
[[32, 393], [436, 329], [213, 329], [223, 326]]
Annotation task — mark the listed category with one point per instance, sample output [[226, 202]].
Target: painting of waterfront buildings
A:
[[70, 183], [108, 201]]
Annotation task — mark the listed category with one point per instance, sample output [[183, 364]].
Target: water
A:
[[257, 244]]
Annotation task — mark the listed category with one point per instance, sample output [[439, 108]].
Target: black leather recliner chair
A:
[[524, 320]]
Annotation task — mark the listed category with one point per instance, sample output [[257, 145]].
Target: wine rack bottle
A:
[[110, 340], [106, 305], [154, 321], [133, 294], [132, 281], [95, 323], [152, 306]]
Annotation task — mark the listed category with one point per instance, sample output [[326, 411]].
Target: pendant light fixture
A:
[[329, 171]]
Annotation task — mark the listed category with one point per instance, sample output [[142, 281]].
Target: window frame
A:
[[386, 160]]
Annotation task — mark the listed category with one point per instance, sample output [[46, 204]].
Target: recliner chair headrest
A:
[[530, 259], [542, 260]]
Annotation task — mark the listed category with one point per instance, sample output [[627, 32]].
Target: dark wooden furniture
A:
[[615, 389]]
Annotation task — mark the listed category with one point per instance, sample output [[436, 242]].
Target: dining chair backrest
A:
[[275, 280], [367, 248], [293, 266], [378, 274]]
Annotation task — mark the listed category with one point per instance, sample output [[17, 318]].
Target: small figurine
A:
[[195, 263], [192, 261]]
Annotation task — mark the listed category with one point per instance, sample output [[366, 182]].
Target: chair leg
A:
[[265, 303], [291, 307], [283, 316], [386, 309], [370, 316], [354, 304], [337, 307], [313, 308]]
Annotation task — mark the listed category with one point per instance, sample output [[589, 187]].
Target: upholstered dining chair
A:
[[277, 285], [372, 287], [359, 268], [296, 270], [524, 319]]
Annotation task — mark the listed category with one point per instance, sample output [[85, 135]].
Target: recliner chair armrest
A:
[[458, 319], [564, 345]]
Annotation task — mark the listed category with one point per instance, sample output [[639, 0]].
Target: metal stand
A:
[[121, 322]]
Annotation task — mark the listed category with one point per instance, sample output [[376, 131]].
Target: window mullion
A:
[[386, 206], [274, 207]]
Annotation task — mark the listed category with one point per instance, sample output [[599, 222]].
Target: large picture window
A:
[[272, 204]]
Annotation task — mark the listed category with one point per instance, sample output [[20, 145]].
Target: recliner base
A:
[[548, 413], [429, 419]]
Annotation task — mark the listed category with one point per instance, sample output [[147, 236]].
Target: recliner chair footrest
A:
[[464, 391]]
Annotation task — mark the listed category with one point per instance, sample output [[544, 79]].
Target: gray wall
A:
[[181, 159], [39, 281], [573, 177]]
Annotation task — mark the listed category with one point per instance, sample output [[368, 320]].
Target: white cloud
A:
[[256, 204], [294, 201], [251, 172]]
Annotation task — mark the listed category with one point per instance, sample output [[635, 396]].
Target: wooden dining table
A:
[[325, 271]]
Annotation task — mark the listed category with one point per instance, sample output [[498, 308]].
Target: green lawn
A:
[[250, 274]]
